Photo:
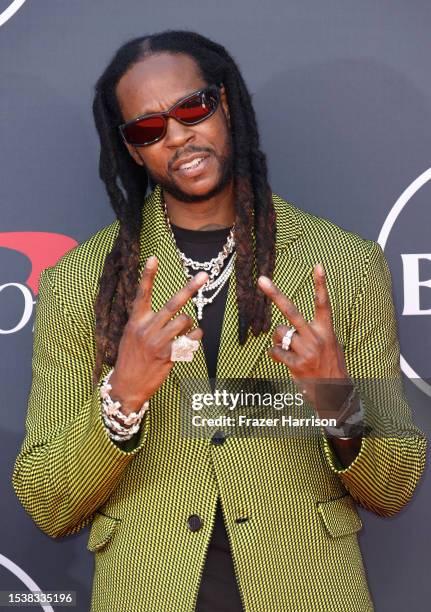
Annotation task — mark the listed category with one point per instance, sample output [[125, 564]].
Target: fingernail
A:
[[264, 281], [151, 259], [201, 277], [319, 269]]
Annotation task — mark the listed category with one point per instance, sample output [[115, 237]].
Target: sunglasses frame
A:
[[171, 113]]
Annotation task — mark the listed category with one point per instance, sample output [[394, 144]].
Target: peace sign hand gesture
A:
[[314, 351]]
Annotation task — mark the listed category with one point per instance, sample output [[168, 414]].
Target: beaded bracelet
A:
[[111, 409]]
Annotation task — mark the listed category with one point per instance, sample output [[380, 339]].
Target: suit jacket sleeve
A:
[[384, 474], [67, 466]]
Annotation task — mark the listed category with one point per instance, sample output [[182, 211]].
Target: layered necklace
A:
[[216, 277]]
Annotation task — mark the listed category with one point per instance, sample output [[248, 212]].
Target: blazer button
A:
[[194, 522], [218, 438]]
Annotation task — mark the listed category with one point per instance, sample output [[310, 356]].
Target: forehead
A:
[[156, 83]]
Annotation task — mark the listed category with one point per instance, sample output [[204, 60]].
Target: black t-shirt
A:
[[218, 590]]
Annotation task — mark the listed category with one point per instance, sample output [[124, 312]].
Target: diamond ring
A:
[[287, 338], [183, 349]]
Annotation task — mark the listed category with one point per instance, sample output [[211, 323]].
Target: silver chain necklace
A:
[[200, 300], [215, 280]]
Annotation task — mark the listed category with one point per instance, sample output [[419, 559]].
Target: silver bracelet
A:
[[118, 428], [111, 409]]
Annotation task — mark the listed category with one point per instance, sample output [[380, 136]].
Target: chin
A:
[[202, 187], [189, 191]]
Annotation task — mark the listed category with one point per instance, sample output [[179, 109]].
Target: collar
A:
[[288, 224]]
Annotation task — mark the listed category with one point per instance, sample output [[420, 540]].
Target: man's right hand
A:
[[143, 361]]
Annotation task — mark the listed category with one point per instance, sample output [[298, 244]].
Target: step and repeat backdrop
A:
[[343, 99]]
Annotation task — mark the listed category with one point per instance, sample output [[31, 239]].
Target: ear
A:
[[225, 106]]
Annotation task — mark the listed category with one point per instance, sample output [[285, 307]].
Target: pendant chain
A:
[[213, 267]]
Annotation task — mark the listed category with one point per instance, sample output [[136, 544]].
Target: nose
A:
[[177, 133]]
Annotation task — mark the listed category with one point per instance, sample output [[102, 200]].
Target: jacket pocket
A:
[[102, 530], [340, 516]]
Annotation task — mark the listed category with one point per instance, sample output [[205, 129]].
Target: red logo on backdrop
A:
[[43, 249]]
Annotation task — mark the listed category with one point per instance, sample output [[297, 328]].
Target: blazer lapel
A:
[[234, 360]]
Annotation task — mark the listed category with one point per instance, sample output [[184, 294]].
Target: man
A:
[[286, 296]]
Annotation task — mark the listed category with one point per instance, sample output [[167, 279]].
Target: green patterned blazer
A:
[[298, 550]]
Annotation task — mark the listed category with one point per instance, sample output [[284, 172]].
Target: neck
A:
[[214, 213]]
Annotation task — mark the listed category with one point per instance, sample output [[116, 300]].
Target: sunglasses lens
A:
[[194, 109], [197, 107], [146, 130]]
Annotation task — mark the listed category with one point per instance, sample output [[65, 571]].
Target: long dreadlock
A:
[[127, 183]]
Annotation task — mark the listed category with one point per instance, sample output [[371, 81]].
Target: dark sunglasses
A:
[[192, 109]]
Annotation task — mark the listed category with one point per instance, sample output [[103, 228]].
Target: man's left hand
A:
[[314, 353]]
